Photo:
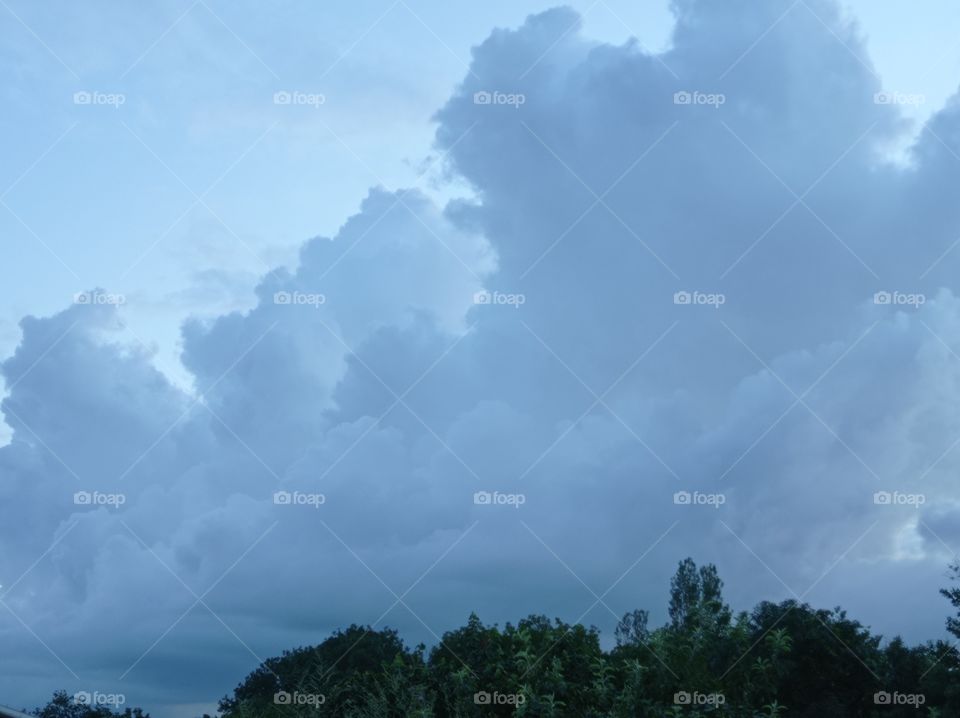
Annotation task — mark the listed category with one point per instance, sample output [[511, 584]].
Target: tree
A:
[[632, 629], [696, 600], [65, 706], [834, 665], [337, 677], [685, 593], [953, 595], [780, 660]]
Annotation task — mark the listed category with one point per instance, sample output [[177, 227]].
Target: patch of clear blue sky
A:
[[184, 195]]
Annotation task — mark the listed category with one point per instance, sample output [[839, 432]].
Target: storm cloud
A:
[[690, 306]]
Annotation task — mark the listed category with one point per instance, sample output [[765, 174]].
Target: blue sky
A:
[[598, 297]]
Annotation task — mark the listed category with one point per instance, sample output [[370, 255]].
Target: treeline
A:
[[780, 659]]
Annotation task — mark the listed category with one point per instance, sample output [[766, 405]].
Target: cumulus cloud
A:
[[690, 310]]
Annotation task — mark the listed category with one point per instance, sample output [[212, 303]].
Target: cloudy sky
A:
[[396, 311]]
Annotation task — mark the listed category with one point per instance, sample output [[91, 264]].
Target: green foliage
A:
[[953, 595], [356, 672], [781, 660], [64, 706]]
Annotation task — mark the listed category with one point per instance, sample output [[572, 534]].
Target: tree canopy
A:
[[780, 659]]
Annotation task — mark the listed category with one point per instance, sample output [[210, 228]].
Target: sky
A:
[[517, 304]]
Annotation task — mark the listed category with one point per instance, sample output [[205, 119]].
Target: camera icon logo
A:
[[682, 498], [882, 498], [282, 498], [682, 98], [882, 298], [82, 498], [683, 698], [282, 698], [482, 98], [281, 298], [682, 297], [882, 698], [481, 698], [281, 98], [82, 698], [482, 498]]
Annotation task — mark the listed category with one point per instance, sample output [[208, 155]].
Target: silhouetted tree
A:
[[780, 660]]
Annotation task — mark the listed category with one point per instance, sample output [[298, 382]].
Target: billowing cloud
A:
[[691, 309]]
